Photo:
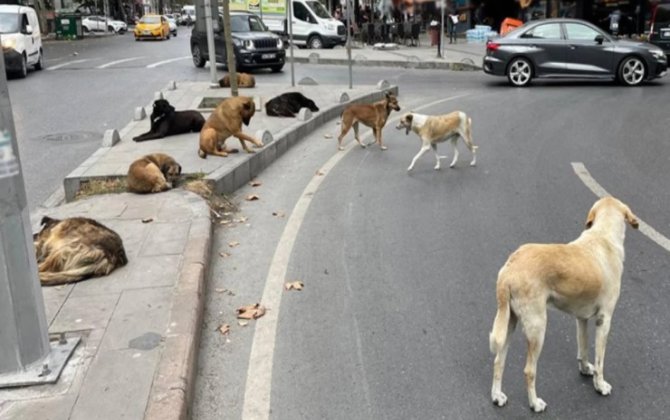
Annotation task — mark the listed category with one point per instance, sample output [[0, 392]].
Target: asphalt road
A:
[[400, 269]]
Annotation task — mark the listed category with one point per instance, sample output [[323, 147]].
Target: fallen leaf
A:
[[233, 244], [319, 173], [278, 213], [328, 136], [242, 323], [255, 183], [224, 222], [241, 220], [296, 285], [226, 291], [252, 197], [224, 329], [251, 311], [224, 254], [147, 220]]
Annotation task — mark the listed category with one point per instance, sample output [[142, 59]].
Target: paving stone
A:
[[165, 239], [55, 408], [54, 297], [85, 313]]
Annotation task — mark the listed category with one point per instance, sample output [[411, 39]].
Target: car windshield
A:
[[246, 23], [318, 9], [9, 23], [150, 19]]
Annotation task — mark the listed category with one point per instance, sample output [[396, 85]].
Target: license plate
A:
[[268, 56], [147, 32], [665, 33]]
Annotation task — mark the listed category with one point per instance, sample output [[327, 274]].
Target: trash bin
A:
[[68, 26], [434, 31]]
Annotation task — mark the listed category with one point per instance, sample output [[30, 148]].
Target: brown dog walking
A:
[[373, 115]]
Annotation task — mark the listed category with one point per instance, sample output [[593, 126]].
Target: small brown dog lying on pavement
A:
[[226, 121], [373, 115], [153, 173], [244, 80], [76, 249], [582, 278]]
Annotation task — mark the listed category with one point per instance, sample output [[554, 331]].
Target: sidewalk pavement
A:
[[140, 325]]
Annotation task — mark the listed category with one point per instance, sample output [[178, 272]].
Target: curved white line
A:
[[67, 64], [112, 63], [259, 375], [599, 191], [160, 63]]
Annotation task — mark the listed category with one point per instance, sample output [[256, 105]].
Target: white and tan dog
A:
[[582, 278], [434, 129]]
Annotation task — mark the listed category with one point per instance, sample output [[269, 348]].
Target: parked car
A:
[[21, 39], [571, 48], [102, 24], [253, 44], [659, 33], [152, 26], [172, 23]]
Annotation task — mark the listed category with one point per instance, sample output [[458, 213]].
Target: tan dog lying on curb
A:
[[582, 278], [153, 173], [373, 115], [244, 80], [226, 121], [434, 129], [75, 249]]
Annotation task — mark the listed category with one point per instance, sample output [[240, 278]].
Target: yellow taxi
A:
[[152, 26]]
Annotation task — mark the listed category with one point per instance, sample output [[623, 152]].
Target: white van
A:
[[21, 39], [188, 14], [313, 26]]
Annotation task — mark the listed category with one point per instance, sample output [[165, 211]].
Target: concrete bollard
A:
[[264, 136], [344, 97], [307, 81], [314, 58], [172, 85], [304, 114], [360, 58], [158, 95], [383, 84], [258, 103], [140, 113], [110, 138]]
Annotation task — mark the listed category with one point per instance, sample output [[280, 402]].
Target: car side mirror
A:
[[29, 30], [600, 39]]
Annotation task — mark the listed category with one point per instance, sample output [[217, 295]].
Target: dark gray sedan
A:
[[571, 48]]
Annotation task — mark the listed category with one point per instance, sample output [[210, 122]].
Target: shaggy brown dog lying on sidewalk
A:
[[153, 173], [373, 115], [165, 121], [76, 249], [244, 80], [226, 121]]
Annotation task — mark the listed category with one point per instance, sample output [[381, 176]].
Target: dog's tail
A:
[[468, 131], [498, 334]]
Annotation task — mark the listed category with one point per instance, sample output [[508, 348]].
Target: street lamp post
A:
[[209, 28], [289, 17]]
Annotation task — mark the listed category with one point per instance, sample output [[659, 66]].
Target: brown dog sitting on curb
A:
[[373, 115], [76, 249], [226, 121], [153, 173], [244, 80]]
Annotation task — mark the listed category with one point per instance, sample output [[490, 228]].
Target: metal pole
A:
[[230, 54], [260, 8], [349, 13], [289, 13], [441, 38], [209, 28]]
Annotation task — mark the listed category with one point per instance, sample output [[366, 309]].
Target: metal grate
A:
[[265, 43]]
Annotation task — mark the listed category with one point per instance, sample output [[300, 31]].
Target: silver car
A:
[[571, 48]]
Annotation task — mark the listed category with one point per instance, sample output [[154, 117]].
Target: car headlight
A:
[[280, 43], [238, 42], [658, 54], [249, 44], [9, 43]]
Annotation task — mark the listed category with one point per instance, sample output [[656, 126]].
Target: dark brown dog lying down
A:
[[153, 173], [288, 104], [76, 249], [244, 80], [165, 121]]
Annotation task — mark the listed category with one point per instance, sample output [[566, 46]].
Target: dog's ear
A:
[[247, 106], [46, 220], [178, 169], [590, 218]]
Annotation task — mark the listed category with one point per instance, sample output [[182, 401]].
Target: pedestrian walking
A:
[[453, 21]]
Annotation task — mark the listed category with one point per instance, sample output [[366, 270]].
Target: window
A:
[[246, 23], [24, 23], [318, 9], [576, 31], [301, 12], [8, 23], [548, 31]]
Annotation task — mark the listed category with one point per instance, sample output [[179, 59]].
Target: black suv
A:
[[253, 44], [659, 34]]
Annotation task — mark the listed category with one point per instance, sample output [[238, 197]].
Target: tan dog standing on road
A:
[[582, 278], [244, 80], [75, 249], [226, 121], [434, 129], [373, 115], [153, 173]]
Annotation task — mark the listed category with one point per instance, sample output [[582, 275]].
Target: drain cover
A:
[[73, 137]]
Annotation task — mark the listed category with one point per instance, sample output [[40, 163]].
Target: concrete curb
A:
[[174, 381], [408, 64], [227, 180]]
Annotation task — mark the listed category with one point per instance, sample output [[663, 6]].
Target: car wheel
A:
[[520, 72], [315, 42], [23, 71], [40, 61], [86, 30], [198, 59], [632, 71], [277, 69], [110, 29]]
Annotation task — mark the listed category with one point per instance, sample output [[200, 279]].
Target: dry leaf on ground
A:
[[226, 291], [233, 244], [224, 329], [252, 197], [296, 285], [255, 183], [147, 220], [278, 213], [224, 254], [319, 173], [251, 311], [328, 136]]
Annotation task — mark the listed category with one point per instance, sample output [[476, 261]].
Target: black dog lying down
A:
[[165, 121], [289, 104]]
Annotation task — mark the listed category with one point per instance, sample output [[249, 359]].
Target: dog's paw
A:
[[602, 387], [586, 369], [538, 406], [499, 399]]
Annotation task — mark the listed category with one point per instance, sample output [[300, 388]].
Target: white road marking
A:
[[160, 63], [112, 63], [598, 190], [67, 64], [259, 375]]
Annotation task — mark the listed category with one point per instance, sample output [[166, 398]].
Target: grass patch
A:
[[101, 186], [221, 206], [210, 102]]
